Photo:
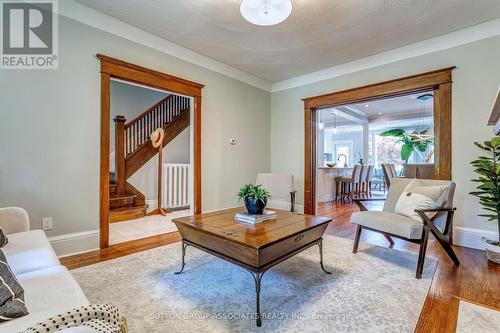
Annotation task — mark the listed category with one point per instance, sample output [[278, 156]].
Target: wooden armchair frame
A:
[[444, 238]]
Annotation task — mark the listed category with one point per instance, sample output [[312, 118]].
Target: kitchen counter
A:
[[325, 181]]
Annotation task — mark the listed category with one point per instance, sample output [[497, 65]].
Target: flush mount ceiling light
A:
[[265, 12]]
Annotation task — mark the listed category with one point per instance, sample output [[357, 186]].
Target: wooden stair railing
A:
[[137, 131], [142, 155], [132, 143]]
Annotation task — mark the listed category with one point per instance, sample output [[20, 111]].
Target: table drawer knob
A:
[[299, 237]]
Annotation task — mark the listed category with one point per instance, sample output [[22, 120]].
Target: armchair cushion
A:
[[393, 223]]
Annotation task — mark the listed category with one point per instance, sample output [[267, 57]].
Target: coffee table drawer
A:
[[283, 247], [232, 250]]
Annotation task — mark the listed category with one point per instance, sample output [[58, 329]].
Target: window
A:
[[342, 152]]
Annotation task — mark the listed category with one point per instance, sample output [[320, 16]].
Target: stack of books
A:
[[255, 218]]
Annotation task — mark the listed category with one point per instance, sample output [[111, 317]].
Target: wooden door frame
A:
[[439, 81], [122, 70]]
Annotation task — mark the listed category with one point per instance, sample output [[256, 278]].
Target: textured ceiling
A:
[[318, 34]]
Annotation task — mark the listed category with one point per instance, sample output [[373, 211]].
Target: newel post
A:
[[120, 153]]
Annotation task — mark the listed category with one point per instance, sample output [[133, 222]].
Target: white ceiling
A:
[[405, 104], [378, 111], [318, 34]]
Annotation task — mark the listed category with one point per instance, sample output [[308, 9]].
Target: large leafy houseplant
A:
[[416, 141], [488, 189], [255, 197]]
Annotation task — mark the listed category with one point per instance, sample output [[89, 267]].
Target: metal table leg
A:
[[184, 245], [320, 245], [257, 276]]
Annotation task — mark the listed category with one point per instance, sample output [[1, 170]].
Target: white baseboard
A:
[[152, 204], [470, 237], [75, 243]]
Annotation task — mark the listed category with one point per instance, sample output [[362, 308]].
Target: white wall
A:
[[475, 84], [49, 130]]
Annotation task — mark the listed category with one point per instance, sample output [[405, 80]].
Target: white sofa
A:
[[49, 288]]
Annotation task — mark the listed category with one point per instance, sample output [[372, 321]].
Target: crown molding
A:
[[443, 42], [101, 21]]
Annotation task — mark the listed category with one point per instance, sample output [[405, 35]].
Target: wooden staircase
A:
[[133, 149]]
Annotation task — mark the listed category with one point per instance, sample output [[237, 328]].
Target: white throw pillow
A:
[[419, 196]]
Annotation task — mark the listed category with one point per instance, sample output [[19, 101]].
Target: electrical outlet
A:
[[47, 223]]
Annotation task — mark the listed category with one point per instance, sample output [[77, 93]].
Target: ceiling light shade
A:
[[265, 12]]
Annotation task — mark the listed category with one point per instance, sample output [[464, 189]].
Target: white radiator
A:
[[176, 185]]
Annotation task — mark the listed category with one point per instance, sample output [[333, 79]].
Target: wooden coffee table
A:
[[253, 247]]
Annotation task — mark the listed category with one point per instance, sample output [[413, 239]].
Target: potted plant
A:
[[488, 190], [416, 141], [255, 197]]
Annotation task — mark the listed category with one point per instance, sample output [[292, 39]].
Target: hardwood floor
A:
[[476, 279]]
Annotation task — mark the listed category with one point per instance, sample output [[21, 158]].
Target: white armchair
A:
[[13, 220], [281, 188], [391, 224]]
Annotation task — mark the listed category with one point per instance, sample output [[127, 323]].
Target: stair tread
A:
[[116, 196], [129, 208]]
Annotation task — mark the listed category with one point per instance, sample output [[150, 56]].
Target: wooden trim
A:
[[104, 172], [440, 81], [442, 136], [115, 68], [120, 68], [119, 250], [390, 88], [197, 155], [310, 161]]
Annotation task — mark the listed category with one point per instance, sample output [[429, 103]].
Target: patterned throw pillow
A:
[[99, 317], [11, 293], [3, 239], [419, 196]]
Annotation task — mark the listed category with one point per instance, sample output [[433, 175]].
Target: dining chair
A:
[[368, 179], [389, 173], [421, 171], [348, 185], [362, 179]]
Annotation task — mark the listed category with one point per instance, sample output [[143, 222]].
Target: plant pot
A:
[[492, 249], [254, 207]]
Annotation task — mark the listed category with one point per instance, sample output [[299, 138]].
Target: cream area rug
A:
[[372, 291], [477, 319]]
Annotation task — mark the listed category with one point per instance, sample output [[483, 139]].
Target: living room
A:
[[255, 74]]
